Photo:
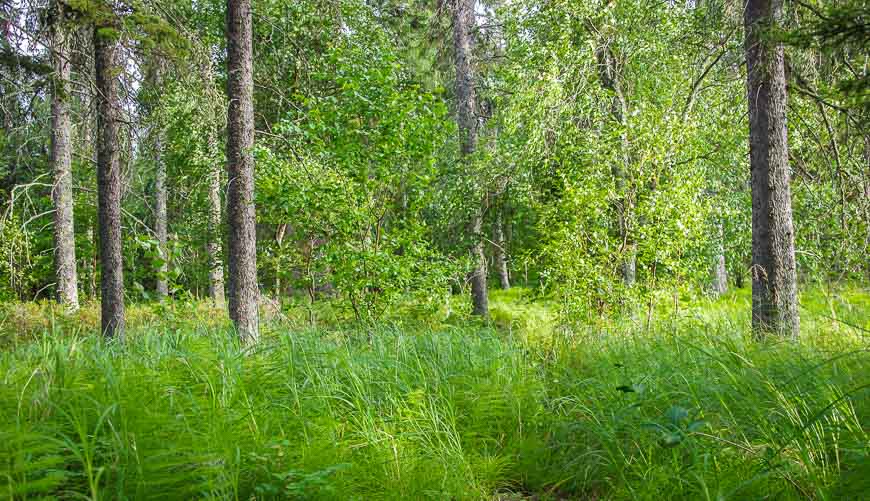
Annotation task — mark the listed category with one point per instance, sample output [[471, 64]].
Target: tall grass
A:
[[688, 409]]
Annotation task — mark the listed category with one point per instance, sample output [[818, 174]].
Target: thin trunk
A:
[[463, 25], [214, 243], [500, 251], [279, 239], [61, 156], [719, 284], [213, 246], [160, 219], [241, 215], [774, 280], [109, 184], [609, 75]]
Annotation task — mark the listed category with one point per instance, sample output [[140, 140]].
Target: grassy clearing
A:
[[690, 408]]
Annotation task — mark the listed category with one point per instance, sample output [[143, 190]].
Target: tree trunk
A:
[[774, 280], [241, 215], [109, 184], [61, 156], [160, 219], [213, 247], [213, 244], [609, 75], [463, 24], [719, 285], [500, 250]]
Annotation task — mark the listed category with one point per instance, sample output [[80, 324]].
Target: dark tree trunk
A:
[[61, 157], [774, 281], [109, 185], [463, 25], [241, 216], [610, 80]]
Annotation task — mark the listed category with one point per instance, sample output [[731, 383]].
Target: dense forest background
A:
[[503, 250], [611, 157]]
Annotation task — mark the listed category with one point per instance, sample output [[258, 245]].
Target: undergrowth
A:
[[686, 406]]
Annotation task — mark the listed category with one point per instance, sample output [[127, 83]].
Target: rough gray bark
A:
[[463, 25], [109, 185], [241, 216], [609, 76], [160, 218], [774, 280], [500, 250], [61, 157], [719, 282]]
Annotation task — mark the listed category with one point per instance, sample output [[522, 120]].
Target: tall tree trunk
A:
[[463, 25], [109, 184], [160, 219], [213, 244], [241, 215], [774, 280], [213, 247], [609, 75], [61, 156], [160, 191], [500, 249], [719, 285]]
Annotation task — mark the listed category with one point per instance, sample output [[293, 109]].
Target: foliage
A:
[[456, 412]]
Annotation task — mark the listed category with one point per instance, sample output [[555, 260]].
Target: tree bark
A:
[[500, 250], [61, 157], [213, 247], [109, 183], [609, 76], [774, 280], [463, 25], [241, 215], [719, 285], [213, 244], [160, 219]]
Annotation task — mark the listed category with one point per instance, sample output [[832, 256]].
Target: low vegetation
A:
[[686, 406]]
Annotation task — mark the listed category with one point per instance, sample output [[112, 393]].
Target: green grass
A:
[[447, 409]]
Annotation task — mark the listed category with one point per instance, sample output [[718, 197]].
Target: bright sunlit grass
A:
[[688, 409]]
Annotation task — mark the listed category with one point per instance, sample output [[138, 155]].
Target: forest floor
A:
[[683, 406]]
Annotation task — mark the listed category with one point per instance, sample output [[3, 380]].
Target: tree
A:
[[608, 70], [463, 24], [160, 194], [109, 179], [61, 159], [241, 215], [213, 245], [774, 281]]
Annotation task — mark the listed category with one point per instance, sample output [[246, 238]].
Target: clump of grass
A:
[[689, 409]]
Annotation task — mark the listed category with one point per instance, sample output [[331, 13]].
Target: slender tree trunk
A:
[[160, 219], [463, 25], [241, 215], [500, 250], [213, 247], [109, 185], [214, 242], [774, 280], [160, 191], [609, 75], [61, 156], [719, 284]]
